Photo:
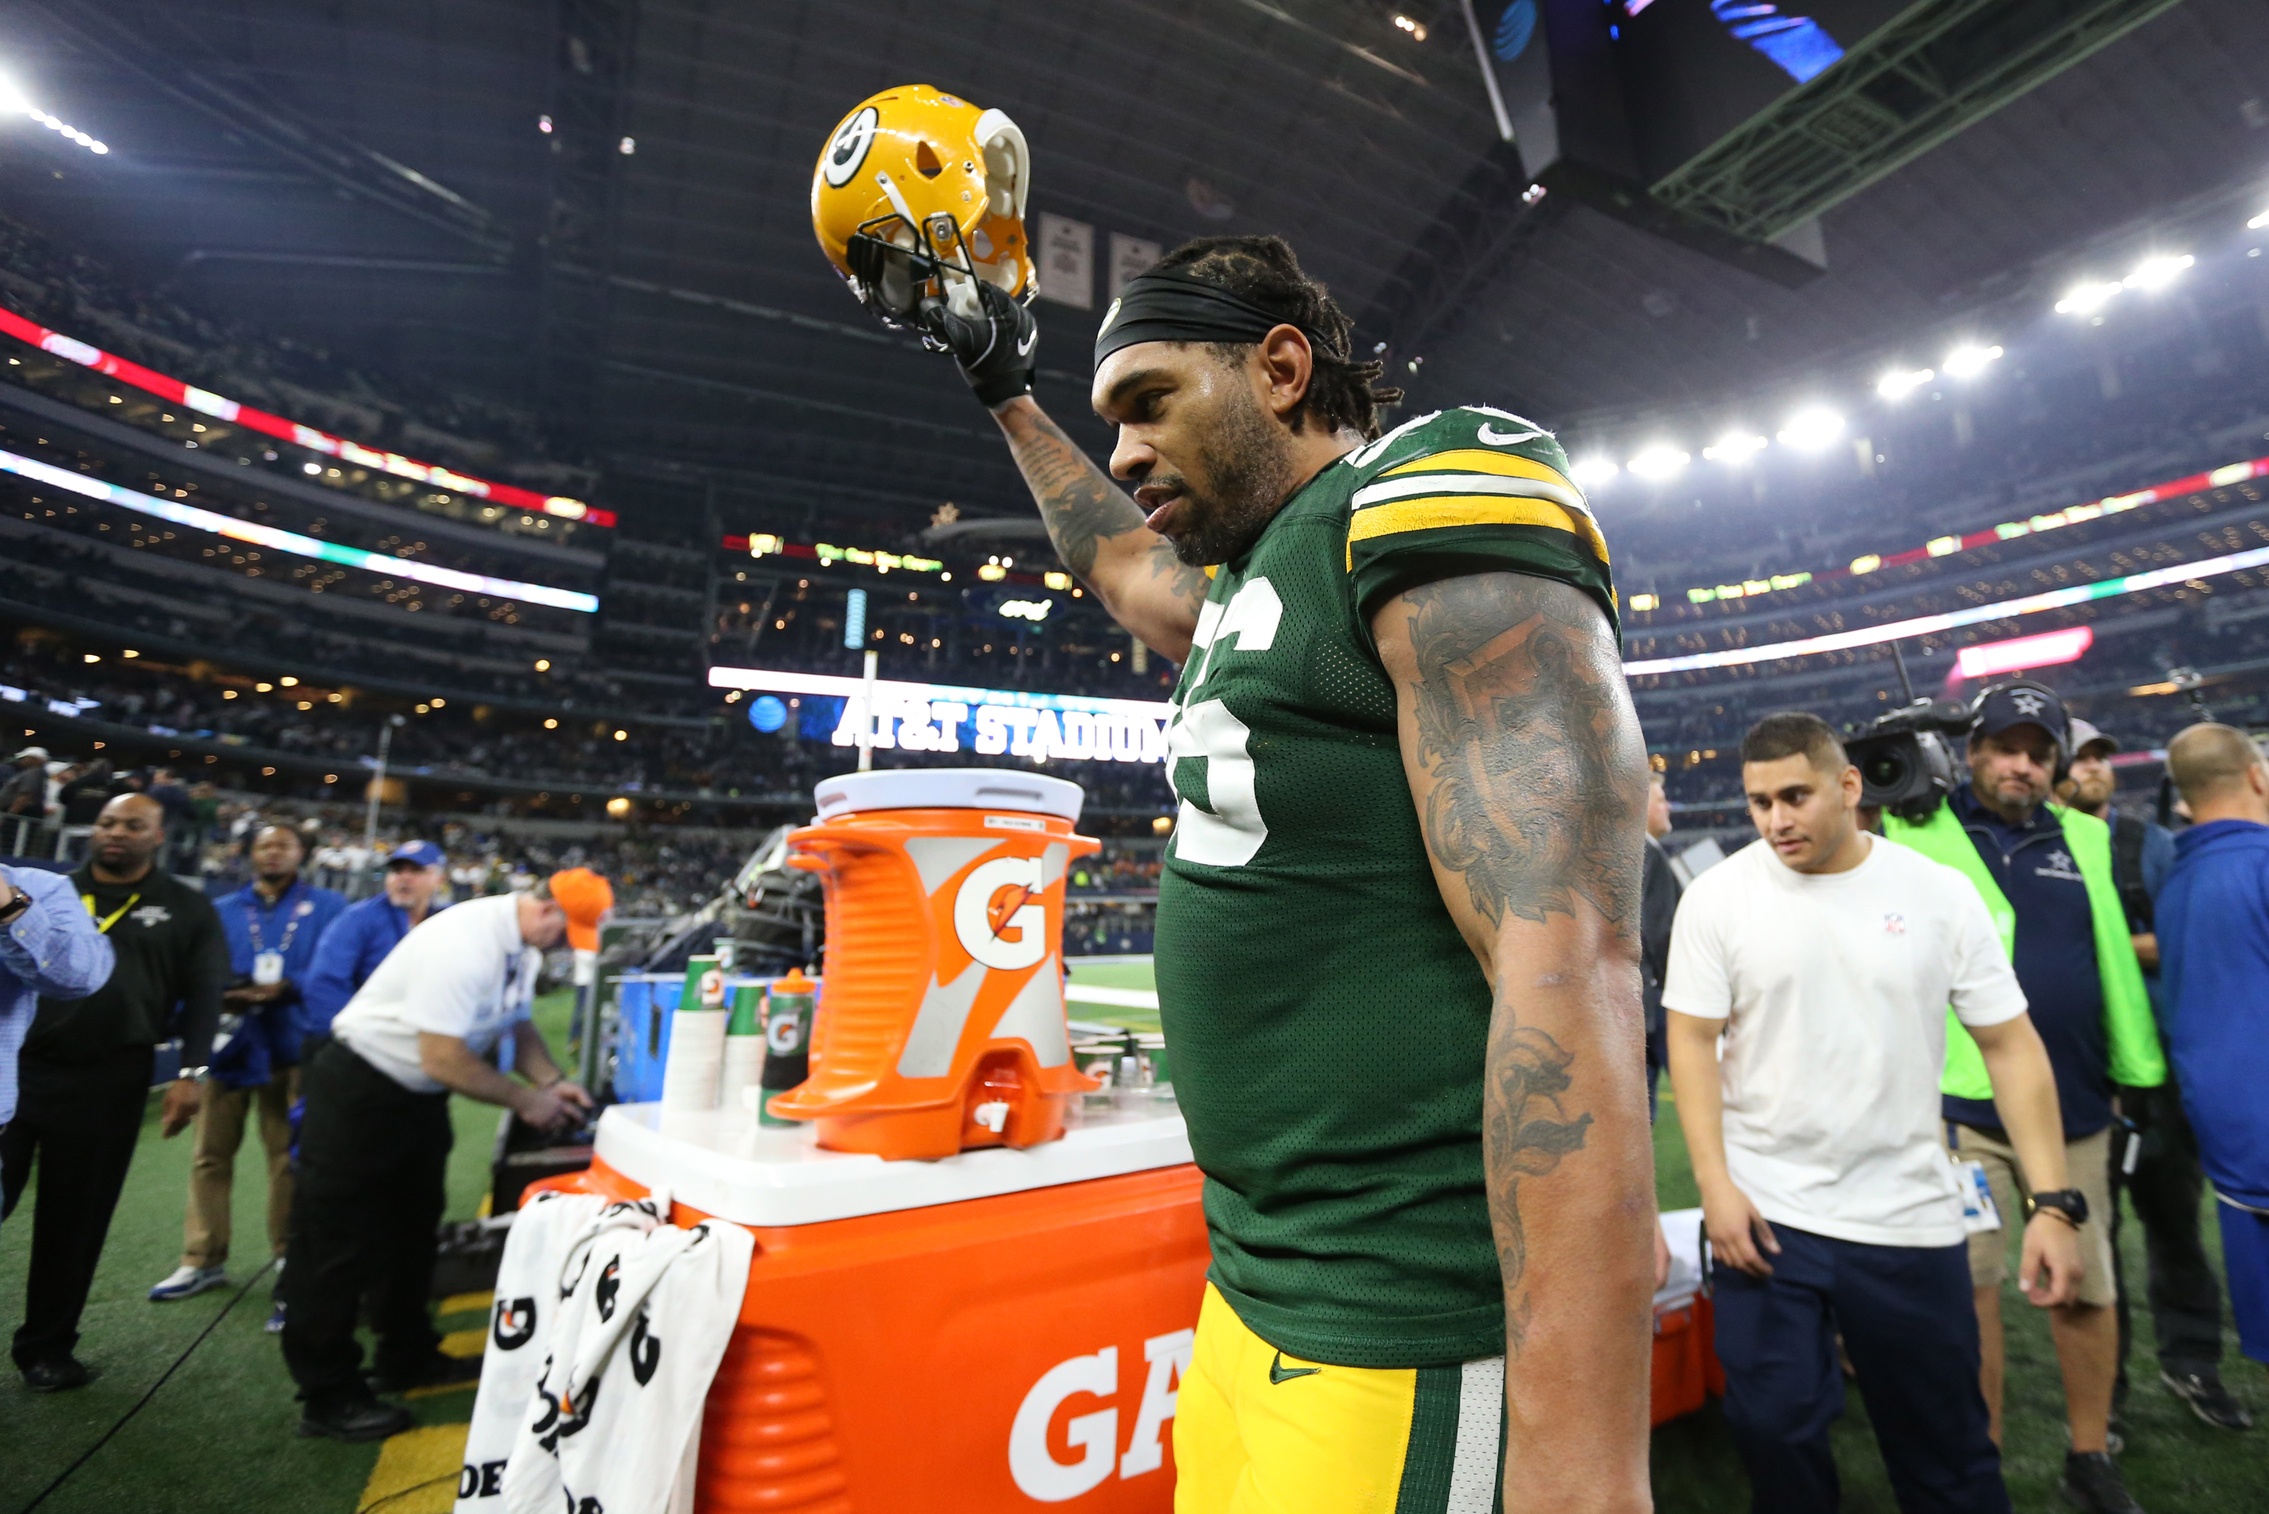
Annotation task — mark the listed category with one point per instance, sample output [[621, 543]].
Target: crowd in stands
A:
[[77, 295]]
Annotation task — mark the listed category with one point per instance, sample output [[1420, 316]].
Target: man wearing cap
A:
[[363, 933], [25, 792], [2045, 874], [375, 1140], [272, 924], [2155, 1154]]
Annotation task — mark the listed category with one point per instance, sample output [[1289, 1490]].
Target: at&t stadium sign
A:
[[938, 717]]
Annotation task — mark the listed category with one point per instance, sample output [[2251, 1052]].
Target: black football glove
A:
[[996, 349]]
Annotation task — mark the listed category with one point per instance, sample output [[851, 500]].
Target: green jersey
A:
[[1327, 1022]]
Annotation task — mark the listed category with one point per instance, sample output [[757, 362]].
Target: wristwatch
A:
[[18, 902], [190, 1074], [2069, 1203]]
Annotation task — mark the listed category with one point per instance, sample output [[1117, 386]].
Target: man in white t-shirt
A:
[[374, 1142], [1826, 958]]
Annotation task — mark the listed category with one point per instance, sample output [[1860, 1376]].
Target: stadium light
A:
[[2259, 222], [1658, 461], [1735, 447], [1592, 470], [13, 102], [1987, 659], [2158, 272], [1810, 429], [2087, 299], [1901, 382], [1970, 360]]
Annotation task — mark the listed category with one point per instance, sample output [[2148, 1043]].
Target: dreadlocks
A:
[[1341, 392]]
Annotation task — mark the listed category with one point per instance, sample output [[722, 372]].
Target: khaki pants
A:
[[2087, 1166], [217, 1134]]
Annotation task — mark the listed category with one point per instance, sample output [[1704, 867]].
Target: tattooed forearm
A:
[[1526, 1131], [1078, 501], [1099, 533], [1528, 734]]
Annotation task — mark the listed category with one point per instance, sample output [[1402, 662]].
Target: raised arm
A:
[[1098, 532], [1529, 774]]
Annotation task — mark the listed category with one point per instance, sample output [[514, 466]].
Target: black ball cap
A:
[[2023, 704]]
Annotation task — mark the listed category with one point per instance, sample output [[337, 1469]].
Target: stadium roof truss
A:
[[1916, 82]]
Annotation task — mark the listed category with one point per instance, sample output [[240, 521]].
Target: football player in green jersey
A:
[[1398, 956]]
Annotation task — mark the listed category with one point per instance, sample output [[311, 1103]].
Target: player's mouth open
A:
[[1160, 503]]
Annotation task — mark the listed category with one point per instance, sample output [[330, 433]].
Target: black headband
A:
[[1161, 307]]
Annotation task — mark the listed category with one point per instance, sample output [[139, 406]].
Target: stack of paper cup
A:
[[697, 1039], [744, 1046]]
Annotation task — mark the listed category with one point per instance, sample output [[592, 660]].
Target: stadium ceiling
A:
[[643, 275]]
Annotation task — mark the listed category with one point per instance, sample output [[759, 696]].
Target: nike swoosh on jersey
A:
[[1024, 348], [1280, 1373], [1505, 438]]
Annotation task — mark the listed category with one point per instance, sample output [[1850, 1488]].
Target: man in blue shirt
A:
[[364, 933], [48, 947], [272, 925], [2213, 924], [2155, 1158]]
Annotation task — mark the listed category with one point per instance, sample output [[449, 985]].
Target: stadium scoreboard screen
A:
[[1730, 125], [1695, 71]]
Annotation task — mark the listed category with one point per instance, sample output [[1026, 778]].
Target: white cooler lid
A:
[[724, 1164], [949, 789]]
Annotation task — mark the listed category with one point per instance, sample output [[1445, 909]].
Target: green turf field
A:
[[218, 1438]]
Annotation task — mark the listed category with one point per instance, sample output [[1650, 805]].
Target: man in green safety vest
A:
[[2046, 876]]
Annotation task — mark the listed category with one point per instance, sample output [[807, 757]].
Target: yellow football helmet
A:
[[918, 194]]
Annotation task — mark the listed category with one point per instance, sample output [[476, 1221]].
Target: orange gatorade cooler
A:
[[997, 1330], [942, 1024]]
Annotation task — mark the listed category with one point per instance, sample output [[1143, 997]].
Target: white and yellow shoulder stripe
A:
[[1471, 486]]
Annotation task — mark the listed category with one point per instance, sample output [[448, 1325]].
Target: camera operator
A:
[[2154, 1157], [374, 1144], [1828, 958], [2045, 874]]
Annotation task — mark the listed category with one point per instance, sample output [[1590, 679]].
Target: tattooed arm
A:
[[1529, 774], [1098, 531]]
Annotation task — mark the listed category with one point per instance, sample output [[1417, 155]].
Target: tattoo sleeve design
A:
[[1528, 1129], [1526, 729], [1535, 800], [1083, 508]]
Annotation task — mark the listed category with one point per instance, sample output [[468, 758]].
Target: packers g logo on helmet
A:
[[919, 193]]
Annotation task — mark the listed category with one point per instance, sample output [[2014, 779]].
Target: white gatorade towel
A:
[[614, 1423], [548, 1244]]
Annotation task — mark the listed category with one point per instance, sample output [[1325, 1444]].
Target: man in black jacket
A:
[[1659, 889], [86, 1073]]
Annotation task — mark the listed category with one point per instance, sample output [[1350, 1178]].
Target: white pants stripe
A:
[[1480, 1447]]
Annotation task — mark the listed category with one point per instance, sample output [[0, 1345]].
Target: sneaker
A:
[[186, 1281], [275, 1321], [58, 1374], [437, 1371], [2208, 1399], [2091, 1483], [354, 1419]]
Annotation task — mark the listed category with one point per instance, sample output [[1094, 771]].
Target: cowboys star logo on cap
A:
[[2028, 702]]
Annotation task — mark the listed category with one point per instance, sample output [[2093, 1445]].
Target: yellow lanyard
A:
[[115, 915]]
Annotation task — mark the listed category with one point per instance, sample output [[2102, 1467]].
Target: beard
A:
[[1248, 473]]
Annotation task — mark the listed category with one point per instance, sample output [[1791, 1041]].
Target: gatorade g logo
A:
[[996, 914], [1095, 1434], [610, 1284], [784, 1029], [515, 1323], [713, 989]]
